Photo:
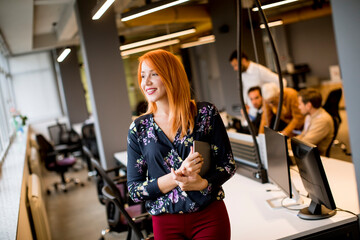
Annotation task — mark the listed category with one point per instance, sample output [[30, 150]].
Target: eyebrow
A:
[[151, 70]]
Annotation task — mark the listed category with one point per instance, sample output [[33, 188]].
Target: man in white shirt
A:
[[253, 74]]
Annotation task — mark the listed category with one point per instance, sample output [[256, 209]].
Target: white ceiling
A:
[[34, 25]]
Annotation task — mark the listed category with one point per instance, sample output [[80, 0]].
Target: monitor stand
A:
[[280, 202]]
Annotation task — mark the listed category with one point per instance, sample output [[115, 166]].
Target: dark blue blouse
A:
[[151, 155]]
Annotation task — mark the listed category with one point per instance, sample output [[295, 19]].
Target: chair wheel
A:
[[65, 190], [48, 192], [82, 184]]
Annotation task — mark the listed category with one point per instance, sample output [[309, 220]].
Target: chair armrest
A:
[[141, 217], [114, 169], [52, 154], [120, 179]]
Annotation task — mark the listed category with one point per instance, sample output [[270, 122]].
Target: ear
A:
[[308, 105]]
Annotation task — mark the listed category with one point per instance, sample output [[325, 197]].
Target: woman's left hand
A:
[[193, 182]]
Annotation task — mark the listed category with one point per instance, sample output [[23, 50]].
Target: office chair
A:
[[99, 181], [90, 143], [336, 122], [121, 216], [64, 139], [55, 161], [331, 105]]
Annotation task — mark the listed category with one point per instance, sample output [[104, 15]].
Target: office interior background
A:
[[99, 80]]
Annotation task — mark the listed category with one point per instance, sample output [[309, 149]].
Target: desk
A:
[[252, 218]]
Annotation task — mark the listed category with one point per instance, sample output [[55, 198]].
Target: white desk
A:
[[252, 218]]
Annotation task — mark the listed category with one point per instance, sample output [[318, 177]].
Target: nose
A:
[[147, 79]]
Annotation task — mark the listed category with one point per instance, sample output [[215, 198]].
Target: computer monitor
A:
[[279, 169], [314, 179]]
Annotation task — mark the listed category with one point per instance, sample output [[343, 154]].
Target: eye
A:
[[154, 74]]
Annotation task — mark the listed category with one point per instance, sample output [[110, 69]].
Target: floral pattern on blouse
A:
[[151, 155]]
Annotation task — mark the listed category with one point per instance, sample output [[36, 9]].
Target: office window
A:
[[6, 103], [35, 87]]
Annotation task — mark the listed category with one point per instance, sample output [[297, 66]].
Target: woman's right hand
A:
[[192, 164]]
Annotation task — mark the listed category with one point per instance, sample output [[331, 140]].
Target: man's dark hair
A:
[[254, 89], [311, 95], [234, 56]]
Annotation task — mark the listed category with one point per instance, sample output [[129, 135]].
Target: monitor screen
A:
[[277, 159], [314, 179]]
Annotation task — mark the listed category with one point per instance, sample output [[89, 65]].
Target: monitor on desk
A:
[[314, 179], [279, 169]]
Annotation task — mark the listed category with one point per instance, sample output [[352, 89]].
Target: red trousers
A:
[[211, 223]]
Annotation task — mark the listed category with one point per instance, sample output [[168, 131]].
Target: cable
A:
[[342, 210], [261, 169], [278, 114]]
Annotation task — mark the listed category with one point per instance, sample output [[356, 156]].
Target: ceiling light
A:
[[149, 8], [271, 5], [157, 39], [200, 41], [272, 24], [150, 47], [104, 6], [63, 55]]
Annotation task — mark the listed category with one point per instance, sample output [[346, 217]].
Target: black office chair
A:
[[90, 143], [120, 215], [336, 122], [57, 161], [113, 172], [331, 105], [64, 139]]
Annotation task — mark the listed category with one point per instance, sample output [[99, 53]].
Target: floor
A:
[[78, 214]]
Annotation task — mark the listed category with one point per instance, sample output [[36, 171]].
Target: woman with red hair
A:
[[163, 170]]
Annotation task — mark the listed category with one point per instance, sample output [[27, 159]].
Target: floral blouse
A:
[[151, 155]]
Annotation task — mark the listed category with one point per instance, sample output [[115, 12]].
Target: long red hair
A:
[[173, 76]]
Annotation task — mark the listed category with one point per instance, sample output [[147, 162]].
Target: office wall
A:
[[205, 74], [313, 42]]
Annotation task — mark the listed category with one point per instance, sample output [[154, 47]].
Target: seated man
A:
[[318, 126], [254, 94], [290, 118]]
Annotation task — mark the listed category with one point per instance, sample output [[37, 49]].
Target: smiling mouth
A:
[[150, 91]]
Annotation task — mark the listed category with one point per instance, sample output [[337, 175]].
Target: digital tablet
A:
[[204, 149]]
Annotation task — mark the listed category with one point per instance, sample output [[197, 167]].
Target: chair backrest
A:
[[336, 122], [89, 138], [58, 133], [331, 104], [113, 193], [45, 147]]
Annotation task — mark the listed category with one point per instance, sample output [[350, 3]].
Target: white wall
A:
[[35, 87]]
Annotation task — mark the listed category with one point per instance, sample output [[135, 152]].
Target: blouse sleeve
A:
[[140, 187], [221, 152]]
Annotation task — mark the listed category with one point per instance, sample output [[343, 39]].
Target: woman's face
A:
[[151, 84]]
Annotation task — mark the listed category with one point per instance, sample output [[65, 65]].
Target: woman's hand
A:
[[193, 182], [192, 164]]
